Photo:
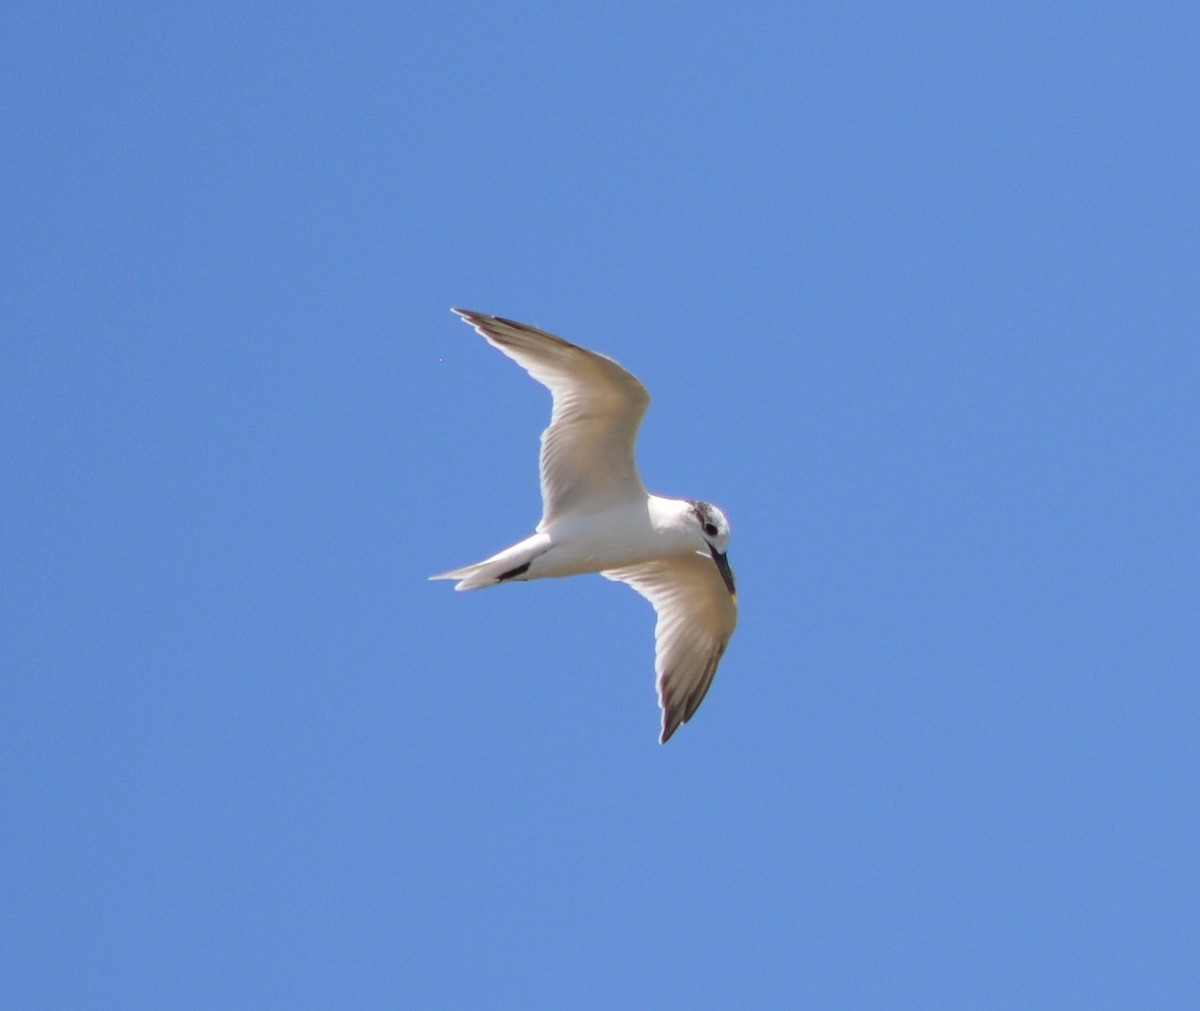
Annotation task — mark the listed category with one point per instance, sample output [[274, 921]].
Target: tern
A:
[[598, 517]]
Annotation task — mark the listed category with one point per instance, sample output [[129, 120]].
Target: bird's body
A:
[[598, 517], [621, 535]]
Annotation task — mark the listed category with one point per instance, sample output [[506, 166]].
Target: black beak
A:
[[724, 569]]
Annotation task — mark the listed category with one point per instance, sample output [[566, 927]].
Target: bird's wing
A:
[[587, 452], [696, 617]]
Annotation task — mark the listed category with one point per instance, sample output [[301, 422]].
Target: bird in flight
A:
[[598, 517]]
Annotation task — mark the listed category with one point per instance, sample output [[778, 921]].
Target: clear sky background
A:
[[916, 293]]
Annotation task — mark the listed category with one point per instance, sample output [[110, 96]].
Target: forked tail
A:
[[511, 563]]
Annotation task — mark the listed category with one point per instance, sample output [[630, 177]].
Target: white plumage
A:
[[598, 517]]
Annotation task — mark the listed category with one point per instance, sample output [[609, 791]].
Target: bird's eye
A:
[[710, 529]]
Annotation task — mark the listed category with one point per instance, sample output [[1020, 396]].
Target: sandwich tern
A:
[[598, 517]]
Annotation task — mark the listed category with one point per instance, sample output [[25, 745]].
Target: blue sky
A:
[[916, 295]]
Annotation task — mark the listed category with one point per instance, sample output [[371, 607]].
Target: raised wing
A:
[[587, 452], [696, 617]]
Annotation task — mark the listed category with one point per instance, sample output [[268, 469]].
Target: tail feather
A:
[[511, 563], [463, 574]]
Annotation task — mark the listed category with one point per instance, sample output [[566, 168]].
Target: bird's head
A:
[[714, 529]]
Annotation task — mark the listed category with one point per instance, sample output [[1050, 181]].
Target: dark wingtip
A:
[[486, 326]]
